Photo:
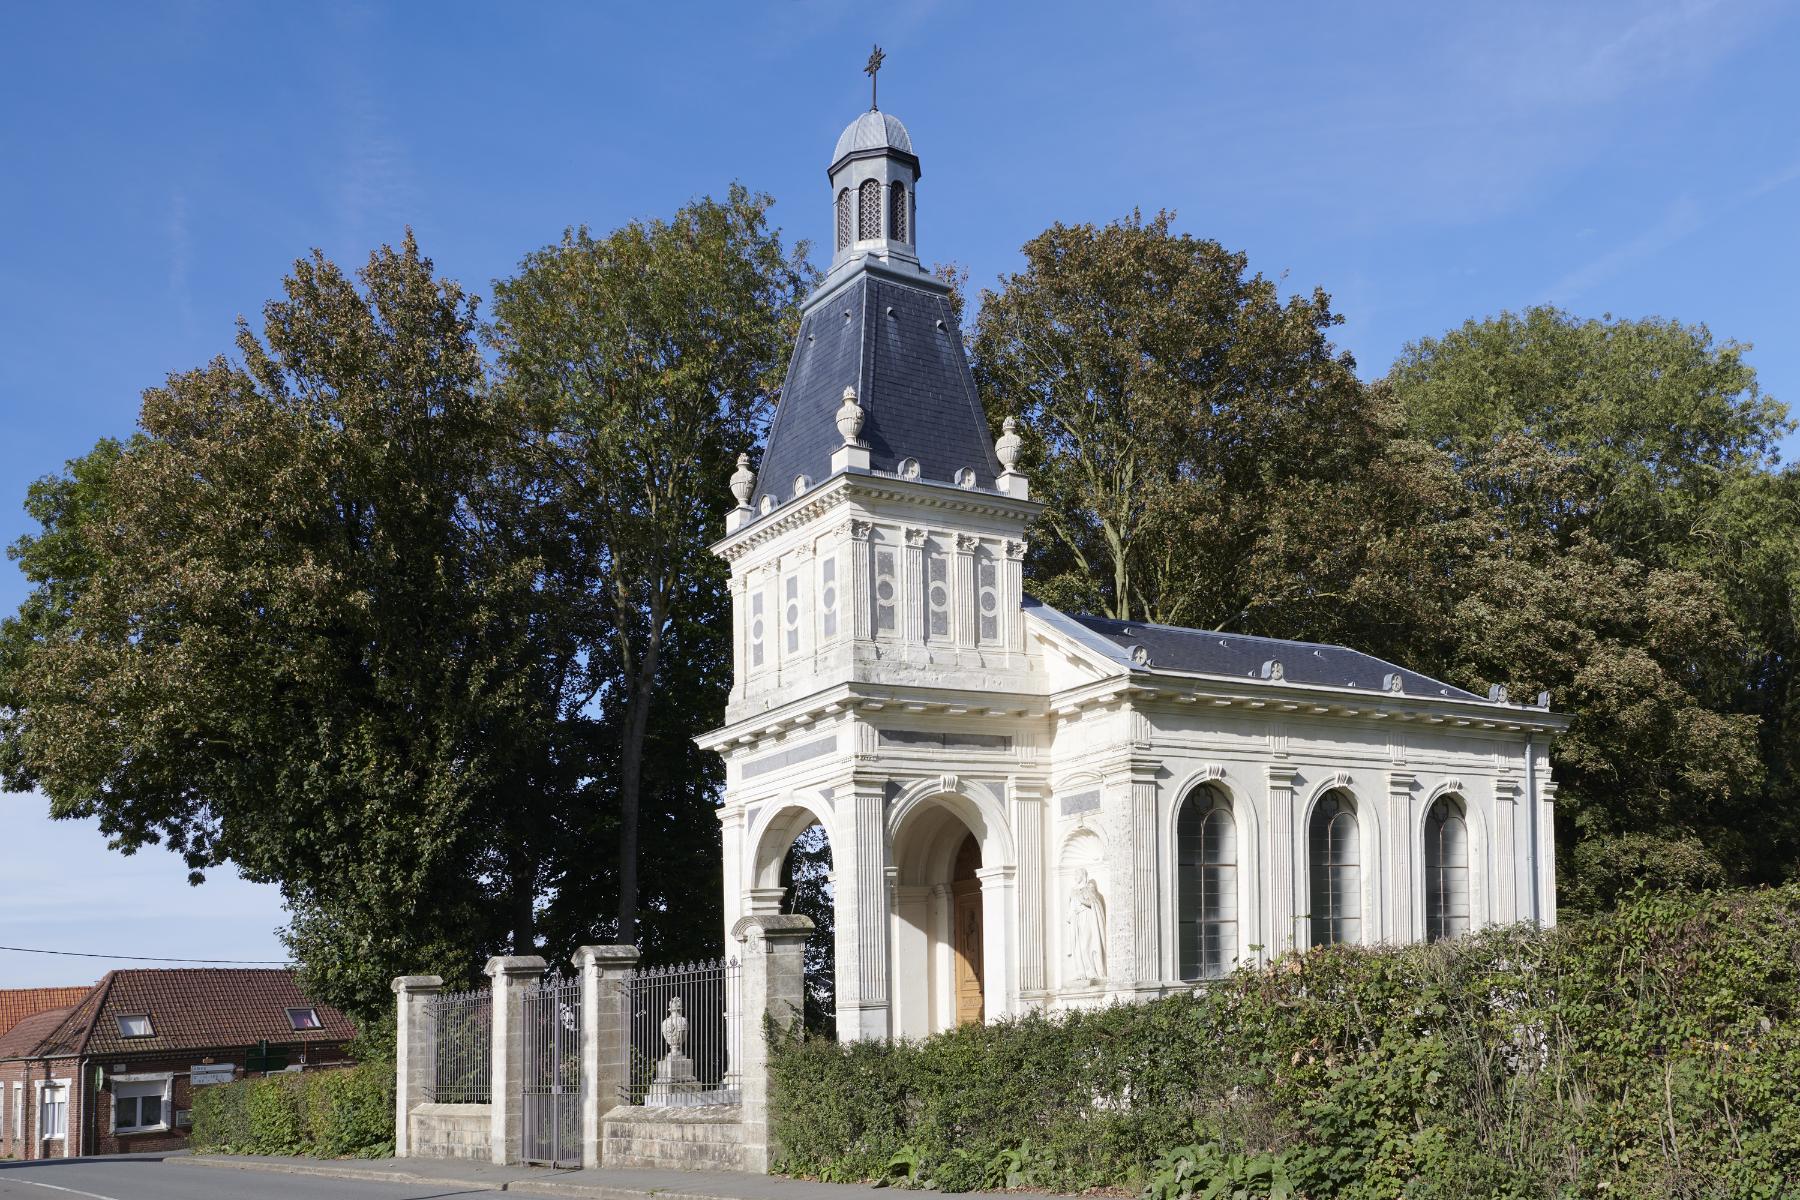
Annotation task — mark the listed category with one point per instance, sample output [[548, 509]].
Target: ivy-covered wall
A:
[[1652, 1052]]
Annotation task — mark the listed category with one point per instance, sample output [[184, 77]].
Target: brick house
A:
[[114, 1072]]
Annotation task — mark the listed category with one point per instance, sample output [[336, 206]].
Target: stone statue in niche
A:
[[1087, 932]]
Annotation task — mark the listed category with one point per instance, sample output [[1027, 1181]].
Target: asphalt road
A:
[[152, 1178]]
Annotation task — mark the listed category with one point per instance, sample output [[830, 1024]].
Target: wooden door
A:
[[965, 924]]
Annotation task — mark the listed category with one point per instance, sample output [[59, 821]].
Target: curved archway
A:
[[792, 871]]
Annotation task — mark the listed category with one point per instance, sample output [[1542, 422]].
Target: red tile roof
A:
[[190, 1009], [22, 1040], [18, 1003]]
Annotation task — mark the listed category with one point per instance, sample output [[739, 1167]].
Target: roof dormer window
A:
[[304, 1018], [136, 1026]]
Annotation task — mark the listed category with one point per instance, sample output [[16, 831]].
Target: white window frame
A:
[[317, 1023], [66, 1085], [149, 1025], [18, 1116], [154, 1083]]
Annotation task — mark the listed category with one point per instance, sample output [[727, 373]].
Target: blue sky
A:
[[161, 165]]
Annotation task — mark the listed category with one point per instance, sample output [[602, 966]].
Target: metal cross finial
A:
[[875, 57]]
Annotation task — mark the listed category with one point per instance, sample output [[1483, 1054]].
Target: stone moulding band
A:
[[817, 748]]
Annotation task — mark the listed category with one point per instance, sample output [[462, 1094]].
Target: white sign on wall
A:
[[202, 1073]]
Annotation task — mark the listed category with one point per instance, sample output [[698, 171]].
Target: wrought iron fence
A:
[[682, 1029], [465, 1023], [551, 1033]]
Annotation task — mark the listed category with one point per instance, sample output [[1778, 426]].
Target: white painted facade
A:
[[893, 685]]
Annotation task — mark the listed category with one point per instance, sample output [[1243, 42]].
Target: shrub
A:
[[326, 1114], [1647, 1053]]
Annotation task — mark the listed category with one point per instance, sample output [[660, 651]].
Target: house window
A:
[[1206, 884], [868, 217], [304, 1018], [987, 594], [897, 215], [887, 589], [136, 1026], [843, 218], [1446, 870], [937, 595], [53, 1110], [1336, 860], [140, 1105], [790, 614], [828, 596]]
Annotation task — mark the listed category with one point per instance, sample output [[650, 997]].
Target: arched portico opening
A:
[[951, 914], [793, 873]]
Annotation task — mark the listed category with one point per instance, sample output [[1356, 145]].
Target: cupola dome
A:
[[872, 131]]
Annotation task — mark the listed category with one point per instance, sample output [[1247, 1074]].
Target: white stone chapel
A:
[[1028, 808]]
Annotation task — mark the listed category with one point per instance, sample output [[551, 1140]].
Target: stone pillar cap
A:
[[773, 925], [515, 964], [417, 983], [606, 954]]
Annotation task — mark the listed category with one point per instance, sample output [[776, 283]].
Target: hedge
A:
[[326, 1114], [1653, 1052]]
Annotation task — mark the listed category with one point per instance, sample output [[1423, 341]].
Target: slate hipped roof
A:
[[1233, 655], [189, 1009], [898, 344]]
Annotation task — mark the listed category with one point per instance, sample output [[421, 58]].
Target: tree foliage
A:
[[1582, 507], [412, 641]]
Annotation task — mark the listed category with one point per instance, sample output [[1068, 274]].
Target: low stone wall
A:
[[451, 1131], [691, 1138]]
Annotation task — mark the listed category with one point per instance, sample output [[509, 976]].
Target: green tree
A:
[[284, 628], [1631, 461], [1172, 404], [645, 360]]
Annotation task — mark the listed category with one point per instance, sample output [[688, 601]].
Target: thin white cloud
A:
[[1682, 218]]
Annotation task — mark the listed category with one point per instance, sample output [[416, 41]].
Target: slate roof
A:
[[1234, 655], [899, 345], [189, 1009], [872, 131], [18, 1003]]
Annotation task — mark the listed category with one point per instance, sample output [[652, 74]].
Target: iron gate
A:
[[551, 1030]]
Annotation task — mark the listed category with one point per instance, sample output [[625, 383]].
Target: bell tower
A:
[[882, 538]]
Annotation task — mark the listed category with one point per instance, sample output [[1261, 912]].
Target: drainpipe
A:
[[1531, 801]]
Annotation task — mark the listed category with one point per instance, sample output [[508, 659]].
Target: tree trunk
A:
[[631, 774]]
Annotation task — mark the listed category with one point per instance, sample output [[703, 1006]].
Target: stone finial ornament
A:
[[850, 418], [743, 481], [1006, 447]]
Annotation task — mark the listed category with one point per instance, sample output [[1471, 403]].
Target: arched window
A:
[[843, 218], [1335, 853], [868, 220], [897, 212], [1206, 885], [1446, 870]]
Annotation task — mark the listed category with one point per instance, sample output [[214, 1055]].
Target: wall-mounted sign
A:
[[204, 1073]]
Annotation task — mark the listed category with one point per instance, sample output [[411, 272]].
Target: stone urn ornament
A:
[[1006, 448], [674, 1082], [850, 418], [675, 1027], [743, 481]]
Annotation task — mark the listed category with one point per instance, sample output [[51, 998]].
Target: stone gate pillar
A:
[[511, 975], [605, 1040], [415, 1051], [773, 986]]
